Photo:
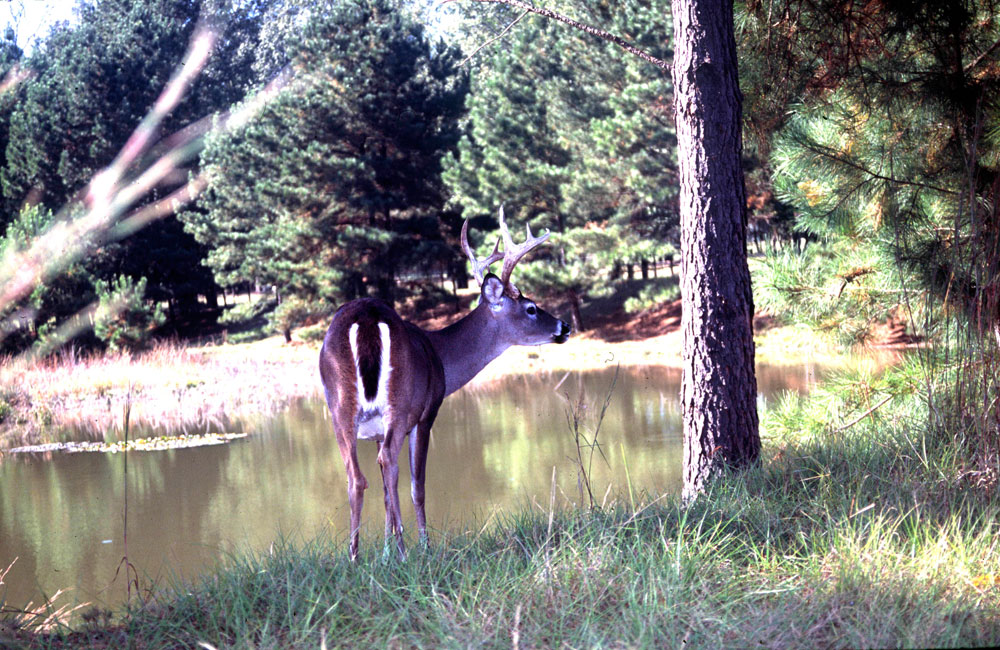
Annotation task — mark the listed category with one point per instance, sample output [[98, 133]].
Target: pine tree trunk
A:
[[719, 387], [576, 311]]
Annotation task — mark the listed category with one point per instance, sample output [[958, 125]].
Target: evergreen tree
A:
[[891, 160], [123, 319], [50, 303], [577, 138], [888, 160], [92, 84], [10, 56], [334, 190]]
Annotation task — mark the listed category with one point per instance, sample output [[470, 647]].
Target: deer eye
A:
[[531, 309]]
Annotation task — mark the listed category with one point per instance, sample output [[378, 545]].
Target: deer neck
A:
[[466, 346]]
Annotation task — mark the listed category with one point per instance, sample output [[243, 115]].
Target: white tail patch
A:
[[381, 401]]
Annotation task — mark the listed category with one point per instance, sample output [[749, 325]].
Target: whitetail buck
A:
[[385, 378]]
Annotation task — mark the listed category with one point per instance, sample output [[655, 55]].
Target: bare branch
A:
[[593, 31], [494, 39], [979, 59]]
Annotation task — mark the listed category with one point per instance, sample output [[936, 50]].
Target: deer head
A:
[[504, 298]]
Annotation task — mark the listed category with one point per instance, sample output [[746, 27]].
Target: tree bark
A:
[[719, 386]]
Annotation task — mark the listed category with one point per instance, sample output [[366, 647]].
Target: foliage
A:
[[288, 314], [575, 136], [124, 320], [886, 148], [652, 294], [54, 301], [246, 312], [842, 288], [96, 79], [10, 57], [91, 83], [882, 150], [333, 189]]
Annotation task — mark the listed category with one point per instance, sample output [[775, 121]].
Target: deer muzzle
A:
[[562, 332]]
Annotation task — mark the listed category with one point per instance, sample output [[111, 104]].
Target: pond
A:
[[493, 448]]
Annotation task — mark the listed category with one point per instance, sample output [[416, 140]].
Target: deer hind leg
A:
[[356, 483], [388, 459], [419, 439]]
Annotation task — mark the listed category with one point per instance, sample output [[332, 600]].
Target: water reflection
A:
[[493, 447]]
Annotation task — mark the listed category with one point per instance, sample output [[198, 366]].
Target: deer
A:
[[384, 378]]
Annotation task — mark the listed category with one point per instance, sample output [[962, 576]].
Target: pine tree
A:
[[719, 387], [891, 160], [92, 84], [334, 190], [10, 56], [576, 137], [876, 159]]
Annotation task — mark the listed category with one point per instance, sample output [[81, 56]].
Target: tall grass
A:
[[873, 536], [172, 386]]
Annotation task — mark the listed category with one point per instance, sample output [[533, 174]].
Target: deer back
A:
[[375, 363]]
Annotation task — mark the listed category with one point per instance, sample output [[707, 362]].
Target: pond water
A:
[[495, 447]]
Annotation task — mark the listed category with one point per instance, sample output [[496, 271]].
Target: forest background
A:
[[870, 133], [871, 149], [326, 153], [870, 136]]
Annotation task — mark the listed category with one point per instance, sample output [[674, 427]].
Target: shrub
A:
[[652, 294], [124, 320]]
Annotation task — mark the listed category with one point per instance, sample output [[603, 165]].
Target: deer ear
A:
[[492, 291]]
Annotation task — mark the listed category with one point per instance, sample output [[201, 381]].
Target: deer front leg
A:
[[419, 439], [388, 460]]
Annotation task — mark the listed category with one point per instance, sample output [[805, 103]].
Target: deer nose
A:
[[562, 333]]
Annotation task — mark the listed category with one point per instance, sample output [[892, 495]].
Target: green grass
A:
[[873, 536]]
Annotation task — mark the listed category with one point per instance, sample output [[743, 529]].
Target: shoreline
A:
[[176, 387]]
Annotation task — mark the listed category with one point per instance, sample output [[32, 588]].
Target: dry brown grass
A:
[[169, 387]]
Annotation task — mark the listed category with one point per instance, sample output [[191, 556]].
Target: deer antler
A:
[[479, 267], [512, 254]]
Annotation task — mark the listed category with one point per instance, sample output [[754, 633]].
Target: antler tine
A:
[[512, 253], [479, 266]]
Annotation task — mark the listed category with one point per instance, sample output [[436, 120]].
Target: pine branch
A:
[[832, 154], [593, 31], [975, 62], [863, 415]]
